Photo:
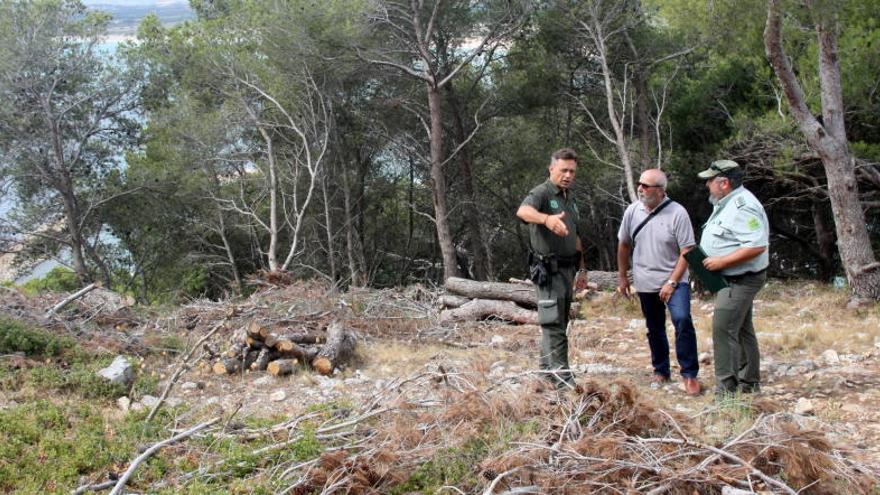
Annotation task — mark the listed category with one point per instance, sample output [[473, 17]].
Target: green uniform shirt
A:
[[550, 199], [738, 221]]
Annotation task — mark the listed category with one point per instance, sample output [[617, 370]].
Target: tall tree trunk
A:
[[92, 253], [616, 119], [328, 224], [474, 225], [642, 118], [76, 241], [64, 185], [438, 185], [829, 140], [350, 234], [272, 253], [825, 240], [230, 256]]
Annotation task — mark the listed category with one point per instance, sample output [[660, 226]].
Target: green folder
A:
[[713, 281]]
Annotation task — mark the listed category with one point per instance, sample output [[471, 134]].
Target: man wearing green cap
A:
[[556, 252], [736, 239]]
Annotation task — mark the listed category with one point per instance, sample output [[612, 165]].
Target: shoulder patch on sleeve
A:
[[753, 223]]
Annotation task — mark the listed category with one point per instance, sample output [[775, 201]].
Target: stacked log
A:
[[515, 302], [279, 353]]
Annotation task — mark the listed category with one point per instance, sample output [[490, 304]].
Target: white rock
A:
[[804, 406], [830, 357], [173, 402], [149, 401], [119, 371], [264, 380], [124, 403], [278, 396], [705, 358], [137, 406], [635, 324], [496, 340], [189, 386]]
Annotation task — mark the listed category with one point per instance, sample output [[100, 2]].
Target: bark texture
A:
[[829, 140]]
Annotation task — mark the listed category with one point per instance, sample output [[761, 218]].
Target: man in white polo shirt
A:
[[657, 232]]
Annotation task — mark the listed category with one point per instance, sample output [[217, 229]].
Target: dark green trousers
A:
[[737, 359], [554, 303]]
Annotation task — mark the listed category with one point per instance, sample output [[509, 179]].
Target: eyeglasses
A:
[[648, 186]]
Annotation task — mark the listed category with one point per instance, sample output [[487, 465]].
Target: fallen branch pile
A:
[[515, 302], [260, 348], [456, 429]]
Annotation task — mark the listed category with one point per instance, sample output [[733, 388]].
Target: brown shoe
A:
[[659, 379], [691, 386]]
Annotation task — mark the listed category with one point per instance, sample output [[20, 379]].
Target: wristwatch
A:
[[671, 282]]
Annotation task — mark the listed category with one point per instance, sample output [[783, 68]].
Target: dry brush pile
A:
[[459, 430]]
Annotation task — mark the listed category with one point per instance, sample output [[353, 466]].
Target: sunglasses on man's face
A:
[[648, 186]]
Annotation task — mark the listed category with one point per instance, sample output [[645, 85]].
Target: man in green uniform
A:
[[556, 253], [736, 239]]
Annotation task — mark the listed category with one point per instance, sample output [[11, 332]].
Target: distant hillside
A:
[[127, 14]]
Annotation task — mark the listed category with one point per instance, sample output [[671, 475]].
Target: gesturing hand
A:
[[556, 224]]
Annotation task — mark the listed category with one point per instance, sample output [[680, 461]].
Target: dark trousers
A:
[[554, 303], [685, 336], [737, 358]]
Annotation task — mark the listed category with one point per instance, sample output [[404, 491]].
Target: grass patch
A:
[[453, 466], [46, 446], [15, 337]]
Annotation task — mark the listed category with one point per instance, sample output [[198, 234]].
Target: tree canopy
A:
[[383, 143]]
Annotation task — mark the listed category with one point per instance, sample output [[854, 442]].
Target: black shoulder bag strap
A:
[[650, 216]]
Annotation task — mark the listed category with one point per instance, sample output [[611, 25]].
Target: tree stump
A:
[[281, 367], [339, 347]]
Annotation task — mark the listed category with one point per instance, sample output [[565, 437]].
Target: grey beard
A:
[[713, 200]]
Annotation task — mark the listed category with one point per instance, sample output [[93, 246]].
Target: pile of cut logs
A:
[[260, 349], [471, 300]]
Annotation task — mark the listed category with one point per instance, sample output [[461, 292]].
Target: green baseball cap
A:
[[718, 167]]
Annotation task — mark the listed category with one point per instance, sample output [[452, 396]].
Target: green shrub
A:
[[17, 337], [45, 446], [59, 279]]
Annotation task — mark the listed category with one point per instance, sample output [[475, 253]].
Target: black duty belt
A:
[[740, 276], [559, 261]]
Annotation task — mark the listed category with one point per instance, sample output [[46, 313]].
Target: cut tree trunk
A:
[[602, 280], [480, 309], [290, 349], [227, 366], [520, 294], [339, 347], [304, 338], [452, 301], [256, 330], [262, 360], [281, 367]]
